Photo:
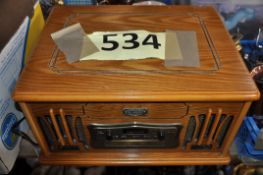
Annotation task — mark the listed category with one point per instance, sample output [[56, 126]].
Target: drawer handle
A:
[[134, 112]]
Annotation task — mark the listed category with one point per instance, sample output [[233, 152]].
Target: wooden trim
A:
[[137, 98], [237, 122], [150, 157], [55, 124], [214, 126], [62, 115], [197, 122], [207, 119], [31, 119]]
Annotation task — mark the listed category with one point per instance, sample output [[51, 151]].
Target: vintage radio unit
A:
[[136, 112]]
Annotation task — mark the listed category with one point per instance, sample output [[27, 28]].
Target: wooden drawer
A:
[[136, 110]]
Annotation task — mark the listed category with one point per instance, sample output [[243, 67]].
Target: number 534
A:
[[130, 41]]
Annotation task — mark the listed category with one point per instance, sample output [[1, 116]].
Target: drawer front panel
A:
[[136, 110]]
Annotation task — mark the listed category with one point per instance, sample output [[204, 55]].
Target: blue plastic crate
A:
[[246, 138], [252, 53], [79, 2]]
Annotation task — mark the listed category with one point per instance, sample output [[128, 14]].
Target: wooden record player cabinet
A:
[[209, 106]]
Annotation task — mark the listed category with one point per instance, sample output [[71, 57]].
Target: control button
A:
[[109, 135], [136, 136], [116, 137], [101, 132], [147, 137], [161, 135], [123, 137]]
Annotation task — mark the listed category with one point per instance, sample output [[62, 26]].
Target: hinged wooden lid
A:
[[153, 22], [221, 76]]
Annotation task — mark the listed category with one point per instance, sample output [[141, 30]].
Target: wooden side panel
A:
[[235, 126], [32, 120]]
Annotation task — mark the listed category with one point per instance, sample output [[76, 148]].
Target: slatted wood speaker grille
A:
[[207, 131], [63, 132]]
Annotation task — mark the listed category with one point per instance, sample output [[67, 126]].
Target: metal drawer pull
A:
[[134, 112]]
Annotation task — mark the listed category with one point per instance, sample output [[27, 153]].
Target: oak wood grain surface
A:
[[231, 82], [132, 157]]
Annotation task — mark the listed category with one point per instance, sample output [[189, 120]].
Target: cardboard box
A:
[[11, 58]]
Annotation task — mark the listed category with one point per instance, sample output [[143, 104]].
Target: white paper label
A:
[[126, 45]]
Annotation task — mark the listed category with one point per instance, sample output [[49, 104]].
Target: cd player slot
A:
[[139, 135]]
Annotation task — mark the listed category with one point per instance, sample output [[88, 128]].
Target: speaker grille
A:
[[207, 131], [63, 132]]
